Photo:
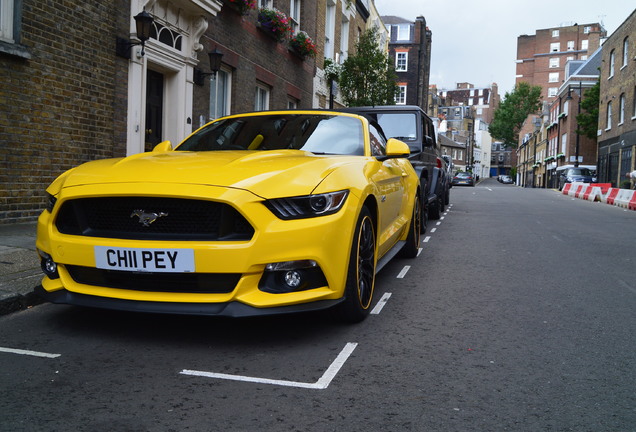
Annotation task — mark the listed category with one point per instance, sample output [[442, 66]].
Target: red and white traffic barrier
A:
[[602, 192]]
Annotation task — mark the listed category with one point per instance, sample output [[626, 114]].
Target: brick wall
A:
[[255, 57], [64, 105]]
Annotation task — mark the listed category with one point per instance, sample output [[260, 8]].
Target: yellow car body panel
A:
[[243, 180]]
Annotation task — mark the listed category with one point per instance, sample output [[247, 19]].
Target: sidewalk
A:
[[19, 267]]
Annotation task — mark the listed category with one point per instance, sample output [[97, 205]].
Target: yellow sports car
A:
[[253, 214]]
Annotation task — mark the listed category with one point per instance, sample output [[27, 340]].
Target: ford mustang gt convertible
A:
[[252, 214]]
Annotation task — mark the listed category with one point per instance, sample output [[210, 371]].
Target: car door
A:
[[389, 177]]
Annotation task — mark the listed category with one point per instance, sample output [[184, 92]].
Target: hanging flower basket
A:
[[302, 44], [243, 7], [275, 23]]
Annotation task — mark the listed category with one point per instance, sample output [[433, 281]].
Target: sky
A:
[[475, 41]]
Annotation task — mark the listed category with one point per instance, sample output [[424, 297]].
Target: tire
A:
[[434, 212], [424, 219], [361, 271], [447, 197], [412, 246]]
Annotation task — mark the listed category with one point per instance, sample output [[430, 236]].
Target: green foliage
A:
[[587, 120], [368, 77], [509, 116]]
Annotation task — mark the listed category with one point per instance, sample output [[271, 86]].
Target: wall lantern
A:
[[143, 22], [215, 65]]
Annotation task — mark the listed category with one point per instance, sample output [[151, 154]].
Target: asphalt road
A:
[[519, 315]]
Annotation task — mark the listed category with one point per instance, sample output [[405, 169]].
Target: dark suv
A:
[[411, 124]]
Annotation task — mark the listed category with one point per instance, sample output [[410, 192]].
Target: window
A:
[[555, 47], [570, 45], [583, 57], [481, 92], [481, 101], [552, 91], [608, 119], [378, 145], [553, 77], [220, 94], [294, 15], [555, 33], [470, 101], [292, 104], [566, 107], [261, 98], [554, 62], [344, 39], [472, 92], [330, 29], [401, 61], [584, 44], [6, 21], [625, 52], [564, 143], [402, 31], [621, 109], [587, 29], [611, 64], [400, 97], [265, 4]]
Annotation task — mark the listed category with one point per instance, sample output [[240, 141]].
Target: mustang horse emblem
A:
[[147, 218]]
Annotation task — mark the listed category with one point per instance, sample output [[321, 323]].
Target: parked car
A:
[[574, 174], [506, 179], [410, 124], [464, 178], [253, 214]]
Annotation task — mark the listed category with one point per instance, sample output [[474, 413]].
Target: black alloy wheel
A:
[[361, 271]]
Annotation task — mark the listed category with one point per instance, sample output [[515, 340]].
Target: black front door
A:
[[154, 109]]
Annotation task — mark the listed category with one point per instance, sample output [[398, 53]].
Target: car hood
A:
[[265, 173]]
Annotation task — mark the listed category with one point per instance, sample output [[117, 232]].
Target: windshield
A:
[[402, 126], [579, 171], [317, 133]]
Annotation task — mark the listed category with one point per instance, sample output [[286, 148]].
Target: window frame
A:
[[608, 116], [400, 96], [294, 15], [215, 82], [261, 90], [625, 51], [399, 61], [612, 57], [621, 109], [554, 62]]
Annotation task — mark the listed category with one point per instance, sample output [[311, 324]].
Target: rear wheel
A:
[[410, 249], [361, 271], [434, 211]]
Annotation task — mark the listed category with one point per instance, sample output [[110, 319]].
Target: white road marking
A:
[[442, 218], [378, 307], [433, 230], [322, 383], [426, 239], [419, 251], [403, 272], [438, 223], [29, 353]]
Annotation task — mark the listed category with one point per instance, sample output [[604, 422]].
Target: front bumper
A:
[[325, 240]]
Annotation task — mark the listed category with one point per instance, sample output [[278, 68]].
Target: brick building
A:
[[70, 94], [410, 50], [541, 57], [484, 100], [617, 108]]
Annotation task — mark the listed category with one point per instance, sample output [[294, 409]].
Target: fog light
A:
[[49, 267], [293, 279]]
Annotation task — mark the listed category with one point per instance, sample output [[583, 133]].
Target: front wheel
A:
[[361, 271]]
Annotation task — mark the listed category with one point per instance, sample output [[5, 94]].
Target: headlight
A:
[[50, 202], [307, 206]]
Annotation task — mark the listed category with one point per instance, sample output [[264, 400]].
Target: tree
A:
[[368, 77], [509, 116], [587, 120]]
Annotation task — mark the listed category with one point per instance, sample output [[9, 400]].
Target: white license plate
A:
[[144, 259]]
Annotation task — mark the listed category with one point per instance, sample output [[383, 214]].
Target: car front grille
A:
[[196, 283], [165, 219]]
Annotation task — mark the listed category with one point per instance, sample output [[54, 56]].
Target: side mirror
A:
[[395, 149], [162, 147], [428, 141]]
